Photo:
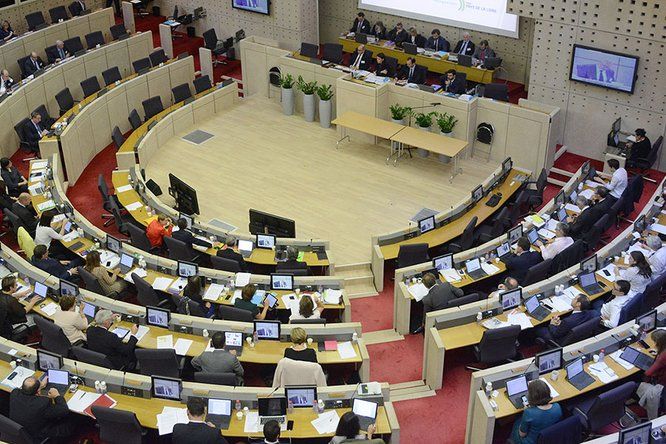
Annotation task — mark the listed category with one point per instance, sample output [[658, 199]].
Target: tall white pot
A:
[[325, 113], [288, 101], [420, 151], [443, 158], [309, 107]]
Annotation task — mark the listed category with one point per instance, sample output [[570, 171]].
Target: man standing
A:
[[361, 24]]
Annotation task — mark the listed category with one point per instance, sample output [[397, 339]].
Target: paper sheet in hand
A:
[[169, 417], [326, 423], [553, 392], [592, 183], [418, 291], [616, 357], [81, 400], [519, 319], [242, 279], [332, 296], [20, 375], [571, 207], [451, 275], [133, 206], [123, 188], [251, 422], [50, 309], [182, 346], [213, 292], [346, 350], [490, 269], [162, 283], [141, 332], [165, 341]]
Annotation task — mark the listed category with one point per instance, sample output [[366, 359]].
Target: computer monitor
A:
[[113, 244], [189, 219], [548, 361], [274, 406], [245, 245], [261, 222], [561, 214], [515, 234], [309, 50], [573, 196], [267, 330], [185, 195], [367, 409], [444, 262], [67, 288], [157, 317], [58, 377], [89, 309], [638, 434], [477, 193], [219, 407], [533, 235], [639, 224], [503, 249], [589, 264], [617, 124], [301, 396], [585, 168], [516, 385], [648, 321], [511, 299], [473, 264], [166, 388], [187, 269], [560, 199], [266, 241], [507, 164], [282, 281], [47, 360], [233, 338], [427, 224], [126, 260], [41, 289]]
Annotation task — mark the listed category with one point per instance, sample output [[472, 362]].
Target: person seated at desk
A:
[[618, 182], [299, 350], [379, 30], [197, 430], [657, 259], [539, 415], [292, 262], [245, 302], [184, 235], [361, 25], [23, 209], [411, 72], [16, 184], [436, 42], [519, 263], [559, 243], [6, 201], [601, 202], [108, 279], [638, 272], [120, 352], [61, 269], [33, 64], [41, 416], [639, 149], [77, 7], [271, 434], [453, 84], [6, 82], [34, 131], [482, 52], [47, 231], [383, 68], [649, 391], [192, 303], [73, 323], [219, 360], [59, 53], [415, 38], [6, 31], [610, 311], [398, 35], [509, 283], [230, 251], [361, 59], [580, 223], [349, 428], [560, 327], [157, 229], [465, 46], [440, 293], [306, 308], [12, 312]]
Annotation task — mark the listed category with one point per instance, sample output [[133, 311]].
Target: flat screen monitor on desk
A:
[[548, 361], [262, 223], [561, 198], [185, 195], [157, 317], [166, 388], [638, 434], [511, 299], [648, 321], [639, 224], [67, 288], [477, 193], [266, 241], [507, 165], [427, 224], [187, 269], [47, 360], [515, 234], [113, 244], [309, 50], [267, 330], [588, 265], [282, 281], [444, 262], [617, 124], [305, 396]]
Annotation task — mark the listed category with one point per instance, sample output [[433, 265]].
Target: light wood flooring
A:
[[283, 165]]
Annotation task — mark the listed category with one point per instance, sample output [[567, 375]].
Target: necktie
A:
[[357, 63], [411, 72], [360, 25], [436, 45], [36, 64], [62, 53], [463, 48]]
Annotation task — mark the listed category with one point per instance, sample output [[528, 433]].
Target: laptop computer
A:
[[576, 375], [40, 290], [516, 391], [233, 340], [273, 409], [89, 310], [535, 309], [126, 263], [503, 250], [409, 48], [588, 282], [635, 357], [245, 248], [366, 411], [464, 60], [58, 379], [533, 236], [474, 270], [361, 38], [219, 413]]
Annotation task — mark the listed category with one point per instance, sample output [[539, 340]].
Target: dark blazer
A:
[[518, 265], [12, 177], [366, 59], [570, 322], [196, 433], [37, 414], [365, 26], [440, 44], [52, 267], [29, 66], [76, 9], [8, 83], [380, 34], [27, 215], [583, 222], [439, 296], [418, 76], [187, 237], [32, 135], [398, 37], [103, 341], [483, 54], [291, 265], [457, 86], [602, 207], [54, 53], [228, 253], [640, 150], [470, 47], [419, 40], [390, 69]]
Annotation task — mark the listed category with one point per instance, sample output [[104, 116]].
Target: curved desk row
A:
[[133, 393]]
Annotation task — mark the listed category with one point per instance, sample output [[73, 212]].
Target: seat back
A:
[[463, 300], [92, 284], [210, 39], [94, 38], [65, 100], [26, 243], [224, 264], [157, 57], [35, 20], [631, 309], [332, 52], [13, 432], [103, 191], [90, 86], [654, 152], [592, 236], [117, 426], [19, 128], [608, 406], [582, 331], [497, 91], [91, 357], [73, 45], [21, 63], [142, 65], [567, 431], [181, 92], [152, 107], [138, 237], [145, 293], [111, 75], [412, 254], [117, 136], [117, 218], [134, 119], [202, 84], [216, 378], [392, 62], [118, 31], [234, 314], [467, 237], [568, 257], [498, 344], [47, 120], [178, 250], [160, 362], [14, 220], [53, 338], [58, 13], [652, 293]]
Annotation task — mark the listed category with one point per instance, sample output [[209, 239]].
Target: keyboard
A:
[[477, 274], [280, 419], [593, 289], [540, 313], [581, 380]]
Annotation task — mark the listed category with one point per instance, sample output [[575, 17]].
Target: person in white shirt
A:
[[47, 231], [610, 311], [307, 310], [618, 181], [657, 259], [360, 59], [6, 82], [638, 272], [73, 324], [559, 243]]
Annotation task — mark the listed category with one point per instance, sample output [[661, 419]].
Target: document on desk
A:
[[571, 293], [659, 228], [123, 188], [242, 279], [50, 309], [551, 225], [490, 269], [18, 375], [133, 206], [81, 400], [251, 422], [165, 341], [553, 392], [162, 283], [290, 301], [346, 350], [592, 183], [451, 275], [46, 205], [169, 417], [571, 207], [602, 372], [535, 220], [418, 291], [39, 164], [519, 319], [326, 423], [332, 296], [616, 357], [70, 236], [214, 292], [177, 285], [138, 271], [546, 233], [608, 272], [141, 332], [182, 346], [559, 304], [587, 194]]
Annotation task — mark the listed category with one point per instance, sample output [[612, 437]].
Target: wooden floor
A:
[[283, 165]]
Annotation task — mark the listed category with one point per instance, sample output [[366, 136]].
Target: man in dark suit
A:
[[6, 82], [398, 35], [412, 73], [77, 7], [229, 251], [453, 83], [639, 149], [602, 202], [41, 416], [438, 297], [416, 39], [271, 434], [33, 132], [26, 213], [361, 24], [384, 69], [583, 221], [465, 46], [197, 431], [483, 52], [57, 53], [185, 235], [361, 59], [119, 351], [519, 263], [437, 43], [292, 262], [560, 327], [33, 64], [62, 270]]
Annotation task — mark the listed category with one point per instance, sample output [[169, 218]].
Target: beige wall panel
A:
[[55, 32], [182, 120], [95, 63], [116, 104], [137, 92], [35, 42], [159, 84], [203, 108], [74, 73], [182, 72], [496, 114], [78, 28], [100, 124], [34, 94], [53, 84], [118, 56]]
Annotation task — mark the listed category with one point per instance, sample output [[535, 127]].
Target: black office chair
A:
[[216, 378], [47, 120], [632, 195], [497, 91], [580, 332], [224, 264], [159, 362], [35, 21], [74, 46], [537, 273], [121, 222], [486, 233], [53, 338], [392, 62], [93, 285], [217, 47], [567, 431], [91, 357], [592, 236], [65, 100], [24, 144], [613, 211], [318, 321], [632, 309], [134, 119], [146, 294], [464, 300], [139, 239], [412, 254], [117, 137], [90, 86], [535, 196], [152, 107], [296, 271], [15, 433], [466, 239], [157, 57], [497, 345], [202, 84], [234, 314], [21, 63], [332, 52], [568, 257], [179, 251], [644, 164], [103, 189], [602, 409], [119, 32], [14, 220], [58, 13], [141, 66], [94, 38], [111, 75], [181, 93], [118, 426]]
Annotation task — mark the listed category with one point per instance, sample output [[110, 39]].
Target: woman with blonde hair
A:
[[299, 350], [109, 281]]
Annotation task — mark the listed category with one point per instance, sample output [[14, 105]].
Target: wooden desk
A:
[[374, 126]]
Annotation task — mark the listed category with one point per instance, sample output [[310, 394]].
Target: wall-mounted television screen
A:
[[607, 69], [260, 6]]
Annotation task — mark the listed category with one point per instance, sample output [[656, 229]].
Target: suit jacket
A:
[[32, 135], [440, 44], [6, 84], [390, 69], [439, 296], [54, 53], [600, 208], [457, 86], [27, 215], [229, 253], [366, 60], [398, 37], [483, 54], [12, 178], [380, 34], [187, 237], [218, 361], [569, 322], [468, 51], [418, 40], [29, 66], [583, 222], [76, 9], [37, 414], [196, 433], [418, 76], [291, 265], [103, 341], [365, 26], [518, 265]]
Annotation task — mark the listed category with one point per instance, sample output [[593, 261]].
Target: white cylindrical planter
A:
[[325, 113], [420, 151], [442, 157], [309, 107], [400, 122], [288, 101]]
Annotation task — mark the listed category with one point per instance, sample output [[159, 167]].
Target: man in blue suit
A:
[[517, 264], [66, 270], [560, 327]]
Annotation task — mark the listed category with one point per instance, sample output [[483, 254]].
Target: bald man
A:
[[33, 64], [26, 213], [360, 59]]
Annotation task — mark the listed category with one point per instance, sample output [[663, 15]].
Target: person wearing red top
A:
[[157, 229], [649, 392]]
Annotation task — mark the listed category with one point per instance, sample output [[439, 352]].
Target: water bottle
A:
[[204, 333], [489, 389], [255, 337], [479, 317], [601, 355], [354, 337], [238, 405], [102, 387], [290, 407]]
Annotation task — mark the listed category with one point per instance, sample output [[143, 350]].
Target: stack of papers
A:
[[178, 285], [326, 423], [571, 207], [559, 303], [81, 400], [165, 341], [242, 279], [492, 323], [592, 183], [551, 225], [141, 332], [571, 293], [251, 422], [138, 271], [610, 276], [123, 188], [18, 375], [490, 269], [290, 301], [50, 309], [451, 275], [213, 292], [616, 357], [182, 346], [418, 291], [603, 372], [70, 236], [332, 296], [133, 206], [46, 205], [169, 417], [659, 228], [346, 350], [519, 319], [536, 220], [587, 194], [546, 233], [162, 283]]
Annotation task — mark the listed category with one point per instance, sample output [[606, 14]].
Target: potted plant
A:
[[308, 89], [399, 113], [424, 121], [287, 89], [325, 93], [446, 123]]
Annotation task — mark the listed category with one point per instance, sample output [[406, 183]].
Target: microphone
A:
[[529, 365], [77, 378], [274, 390]]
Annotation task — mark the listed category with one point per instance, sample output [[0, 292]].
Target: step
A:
[[381, 336], [359, 288], [557, 182], [368, 278], [408, 393], [358, 269], [562, 172], [404, 385], [415, 388]]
